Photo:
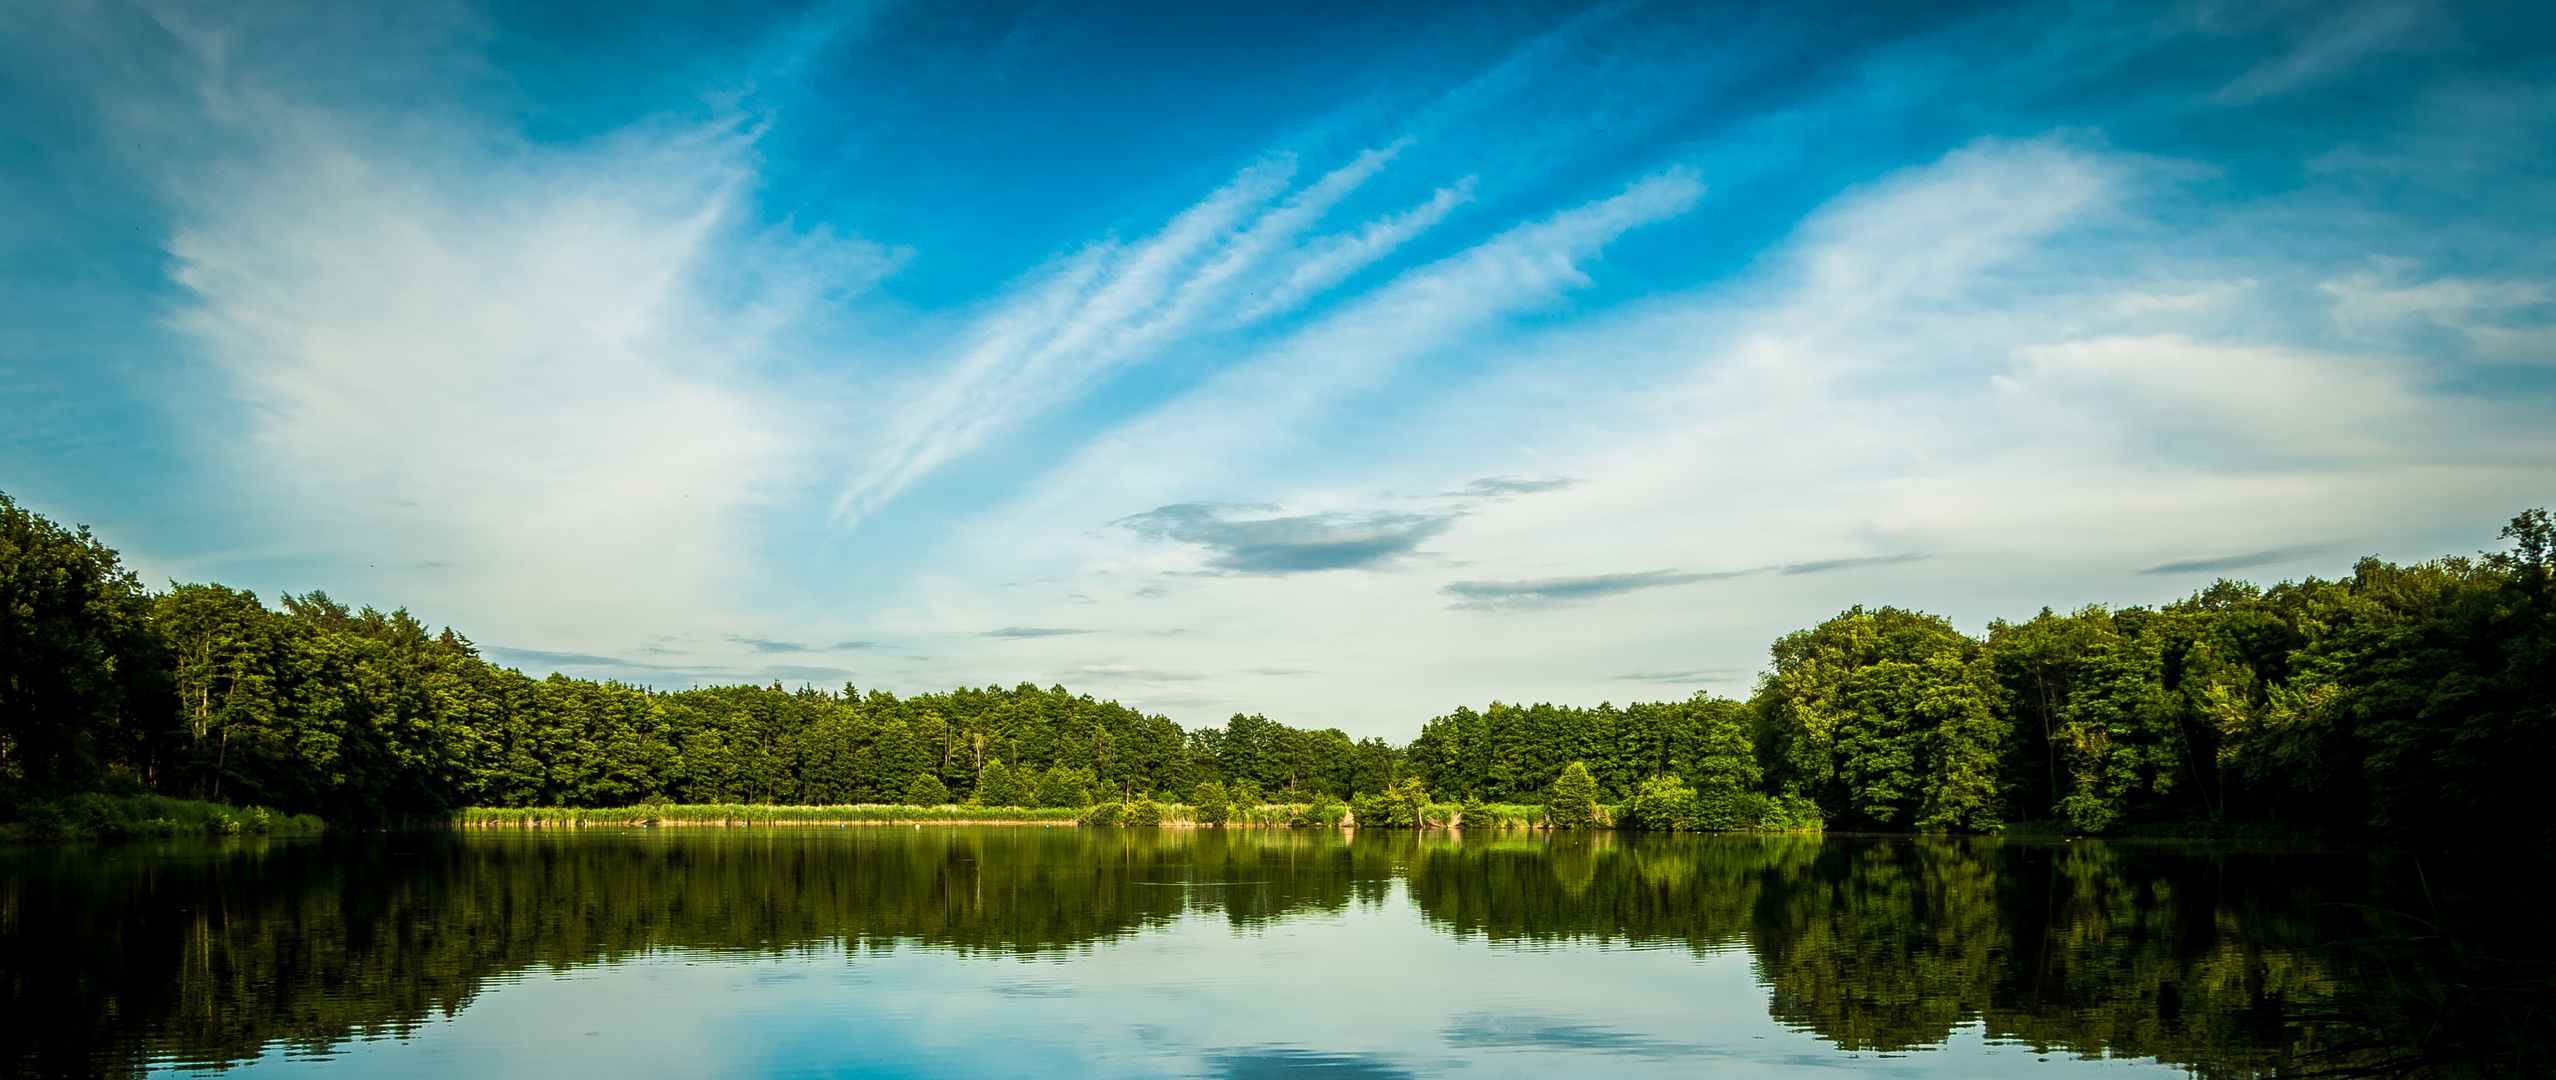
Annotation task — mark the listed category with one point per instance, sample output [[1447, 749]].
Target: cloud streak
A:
[[1288, 545], [1545, 592], [2199, 564]]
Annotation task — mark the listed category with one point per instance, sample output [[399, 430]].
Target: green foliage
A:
[[1886, 718], [748, 814], [1662, 802], [96, 816], [926, 790], [82, 682], [1211, 804], [1404, 807], [1319, 812], [1575, 799], [1061, 786], [1141, 810], [2401, 699], [997, 785]]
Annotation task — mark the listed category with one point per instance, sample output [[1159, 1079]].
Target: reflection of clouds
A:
[[1286, 1064], [1546, 1033]]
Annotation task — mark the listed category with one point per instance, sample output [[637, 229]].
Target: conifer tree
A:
[[1574, 801]]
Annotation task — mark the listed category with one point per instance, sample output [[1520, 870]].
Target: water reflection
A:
[[206, 951]]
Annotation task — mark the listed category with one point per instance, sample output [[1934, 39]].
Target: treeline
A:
[[204, 692], [2400, 699]]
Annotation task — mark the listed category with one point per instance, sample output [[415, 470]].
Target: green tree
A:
[[996, 786], [1662, 802], [1573, 802], [81, 684], [1211, 804], [926, 790], [1885, 717]]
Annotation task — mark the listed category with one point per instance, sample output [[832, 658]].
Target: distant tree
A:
[[1211, 804], [997, 786], [1573, 802], [926, 790], [1662, 802], [1405, 806], [1062, 786]]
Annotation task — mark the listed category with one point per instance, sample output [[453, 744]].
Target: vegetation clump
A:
[[2398, 700]]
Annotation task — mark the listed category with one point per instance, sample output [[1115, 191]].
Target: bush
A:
[[1405, 807], [927, 790], [1574, 804], [1662, 802], [1211, 804], [1100, 814], [1142, 810], [1316, 814]]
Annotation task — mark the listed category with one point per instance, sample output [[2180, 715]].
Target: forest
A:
[[2393, 700]]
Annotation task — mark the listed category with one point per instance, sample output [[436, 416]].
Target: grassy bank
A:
[[1268, 815], [108, 817], [745, 814]]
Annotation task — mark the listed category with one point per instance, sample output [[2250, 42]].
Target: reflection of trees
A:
[[1879, 946], [2217, 958], [1602, 887], [208, 953]]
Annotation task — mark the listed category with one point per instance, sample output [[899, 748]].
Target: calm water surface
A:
[[1003, 951]]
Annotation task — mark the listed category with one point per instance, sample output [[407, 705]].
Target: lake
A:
[[966, 951]]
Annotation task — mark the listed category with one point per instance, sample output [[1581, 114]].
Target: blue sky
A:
[[1344, 363]]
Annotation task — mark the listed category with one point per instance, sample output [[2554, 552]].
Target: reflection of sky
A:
[[1369, 992]]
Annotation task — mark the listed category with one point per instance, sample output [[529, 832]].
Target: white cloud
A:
[[1231, 260], [1977, 387], [489, 357]]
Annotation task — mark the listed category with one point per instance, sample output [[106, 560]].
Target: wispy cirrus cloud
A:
[[1501, 486], [1021, 632], [1238, 257]]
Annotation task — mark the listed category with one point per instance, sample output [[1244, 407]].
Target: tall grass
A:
[[1266, 815], [747, 814]]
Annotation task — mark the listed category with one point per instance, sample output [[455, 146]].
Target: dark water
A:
[[998, 951]]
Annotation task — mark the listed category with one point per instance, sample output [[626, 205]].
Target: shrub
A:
[[1662, 802], [1316, 814], [1211, 804], [1142, 810], [927, 790], [1574, 802]]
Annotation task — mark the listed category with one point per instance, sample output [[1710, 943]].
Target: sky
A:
[[1343, 363]]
